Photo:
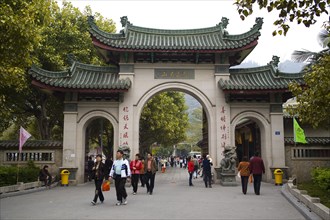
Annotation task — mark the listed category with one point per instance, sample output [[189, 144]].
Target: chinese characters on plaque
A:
[[124, 135], [174, 74], [224, 130]]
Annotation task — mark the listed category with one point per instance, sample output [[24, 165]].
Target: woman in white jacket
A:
[[120, 171]]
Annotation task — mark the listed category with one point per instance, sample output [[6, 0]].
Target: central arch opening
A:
[[99, 139], [173, 124], [247, 138]]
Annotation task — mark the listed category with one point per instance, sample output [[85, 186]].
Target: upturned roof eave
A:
[[82, 90], [101, 45], [253, 91]]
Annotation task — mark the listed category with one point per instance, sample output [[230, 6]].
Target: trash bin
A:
[[65, 177], [278, 173]]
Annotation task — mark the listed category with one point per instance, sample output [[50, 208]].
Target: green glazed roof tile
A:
[[9, 144], [140, 38], [259, 78], [310, 140], [81, 76]]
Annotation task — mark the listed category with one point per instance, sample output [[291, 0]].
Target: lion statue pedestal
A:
[[226, 172]]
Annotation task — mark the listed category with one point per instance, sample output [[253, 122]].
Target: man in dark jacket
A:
[[150, 169], [257, 168], [108, 165], [207, 171], [45, 176]]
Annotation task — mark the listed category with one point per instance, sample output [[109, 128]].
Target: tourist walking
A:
[[207, 172], [120, 171], [244, 170], [150, 169], [257, 168], [135, 166], [98, 170], [191, 169]]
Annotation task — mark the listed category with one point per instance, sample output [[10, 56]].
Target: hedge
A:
[[321, 176], [8, 174]]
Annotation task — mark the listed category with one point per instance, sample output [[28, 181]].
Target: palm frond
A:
[[324, 38], [303, 55]]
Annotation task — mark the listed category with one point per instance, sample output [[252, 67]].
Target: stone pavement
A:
[[172, 199]]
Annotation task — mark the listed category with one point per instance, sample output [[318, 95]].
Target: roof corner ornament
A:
[[90, 19], [275, 61], [124, 21], [224, 23], [71, 58], [259, 20]]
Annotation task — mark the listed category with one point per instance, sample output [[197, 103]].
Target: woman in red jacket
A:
[[135, 166], [191, 169]]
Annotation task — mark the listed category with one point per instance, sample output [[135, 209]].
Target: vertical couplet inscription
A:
[[124, 135], [224, 130]]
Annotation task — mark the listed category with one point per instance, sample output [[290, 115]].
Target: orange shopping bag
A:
[[106, 185], [251, 179]]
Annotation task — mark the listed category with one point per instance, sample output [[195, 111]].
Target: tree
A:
[[163, 120], [194, 131], [100, 133], [61, 31], [304, 11], [314, 98]]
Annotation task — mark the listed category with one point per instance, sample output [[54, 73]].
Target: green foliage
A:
[[93, 131], [8, 175], [321, 176], [314, 190], [164, 120], [304, 11], [40, 32], [314, 98], [194, 131]]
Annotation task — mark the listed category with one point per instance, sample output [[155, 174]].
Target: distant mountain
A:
[[286, 66], [191, 102], [289, 66]]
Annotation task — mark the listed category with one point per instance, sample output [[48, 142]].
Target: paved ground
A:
[[172, 199]]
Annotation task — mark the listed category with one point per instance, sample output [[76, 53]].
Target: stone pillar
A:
[[126, 113], [69, 139], [277, 136], [222, 113]]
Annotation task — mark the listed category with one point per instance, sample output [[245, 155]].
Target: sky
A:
[[200, 14]]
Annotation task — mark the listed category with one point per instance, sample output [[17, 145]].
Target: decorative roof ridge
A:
[[219, 28], [175, 31], [93, 27], [47, 73], [290, 75], [250, 70], [272, 66], [255, 28], [70, 70], [111, 69]]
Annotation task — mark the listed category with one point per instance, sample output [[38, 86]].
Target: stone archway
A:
[[265, 135], [82, 124], [182, 87]]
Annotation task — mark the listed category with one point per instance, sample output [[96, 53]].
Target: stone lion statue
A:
[[126, 150], [228, 163]]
